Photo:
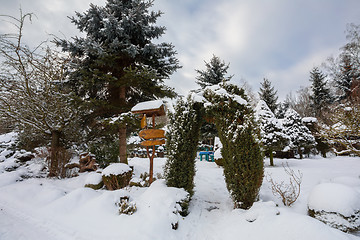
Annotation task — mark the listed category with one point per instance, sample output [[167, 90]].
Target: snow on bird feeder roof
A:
[[156, 107]]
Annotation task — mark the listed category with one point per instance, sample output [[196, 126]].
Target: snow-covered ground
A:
[[42, 208]]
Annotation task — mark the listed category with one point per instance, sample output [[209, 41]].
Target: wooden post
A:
[[151, 171]]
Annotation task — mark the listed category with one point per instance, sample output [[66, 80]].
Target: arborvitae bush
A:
[[238, 132], [182, 141]]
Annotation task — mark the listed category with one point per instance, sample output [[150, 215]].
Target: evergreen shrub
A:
[[182, 141], [238, 132]]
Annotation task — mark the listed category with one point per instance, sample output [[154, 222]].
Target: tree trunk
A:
[[300, 153], [271, 158], [55, 144], [122, 131], [122, 145]]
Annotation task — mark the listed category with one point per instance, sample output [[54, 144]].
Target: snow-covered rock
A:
[[335, 204], [116, 169], [117, 176], [94, 180]]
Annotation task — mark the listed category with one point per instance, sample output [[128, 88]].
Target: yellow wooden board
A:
[[149, 143], [143, 121], [152, 133]]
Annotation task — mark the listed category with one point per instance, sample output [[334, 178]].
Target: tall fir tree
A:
[[182, 141], [214, 73], [273, 137], [321, 96], [300, 136], [117, 64], [268, 94]]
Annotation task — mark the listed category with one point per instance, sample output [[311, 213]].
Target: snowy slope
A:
[[40, 208]]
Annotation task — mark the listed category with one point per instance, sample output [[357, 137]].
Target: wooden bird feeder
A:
[[152, 137]]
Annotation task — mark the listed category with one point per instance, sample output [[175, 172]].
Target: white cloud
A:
[[277, 39], [298, 75]]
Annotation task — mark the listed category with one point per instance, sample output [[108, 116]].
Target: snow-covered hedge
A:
[[337, 205]]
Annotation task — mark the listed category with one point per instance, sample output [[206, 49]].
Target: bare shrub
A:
[[287, 192]]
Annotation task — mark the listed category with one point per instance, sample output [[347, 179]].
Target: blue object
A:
[[208, 155]]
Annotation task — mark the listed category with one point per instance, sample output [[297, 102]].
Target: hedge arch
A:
[[227, 105]]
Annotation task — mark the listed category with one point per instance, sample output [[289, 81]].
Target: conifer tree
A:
[[299, 134], [348, 75], [182, 141], [281, 109], [268, 94], [320, 97], [238, 132], [214, 73], [117, 64], [272, 133]]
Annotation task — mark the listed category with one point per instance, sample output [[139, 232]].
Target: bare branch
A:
[[287, 192]]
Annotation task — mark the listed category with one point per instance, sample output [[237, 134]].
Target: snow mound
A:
[[334, 197], [116, 169], [260, 210], [93, 178], [336, 205], [163, 202]]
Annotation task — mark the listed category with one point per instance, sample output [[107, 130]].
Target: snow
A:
[[217, 147], [44, 208], [116, 169], [309, 120], [219, 90], [334, 197], [134, 140], [93, 178], [8, 138], [155, 104]]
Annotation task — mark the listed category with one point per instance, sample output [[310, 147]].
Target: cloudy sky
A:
[[277, 39]]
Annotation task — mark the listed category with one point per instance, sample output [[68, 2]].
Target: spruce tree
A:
[[268, 94], [238, 132], [281, 109], [117, 64], [348, 75], [299, 134], [214, 73], [272, 133], [321, 96], [181, 145]]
